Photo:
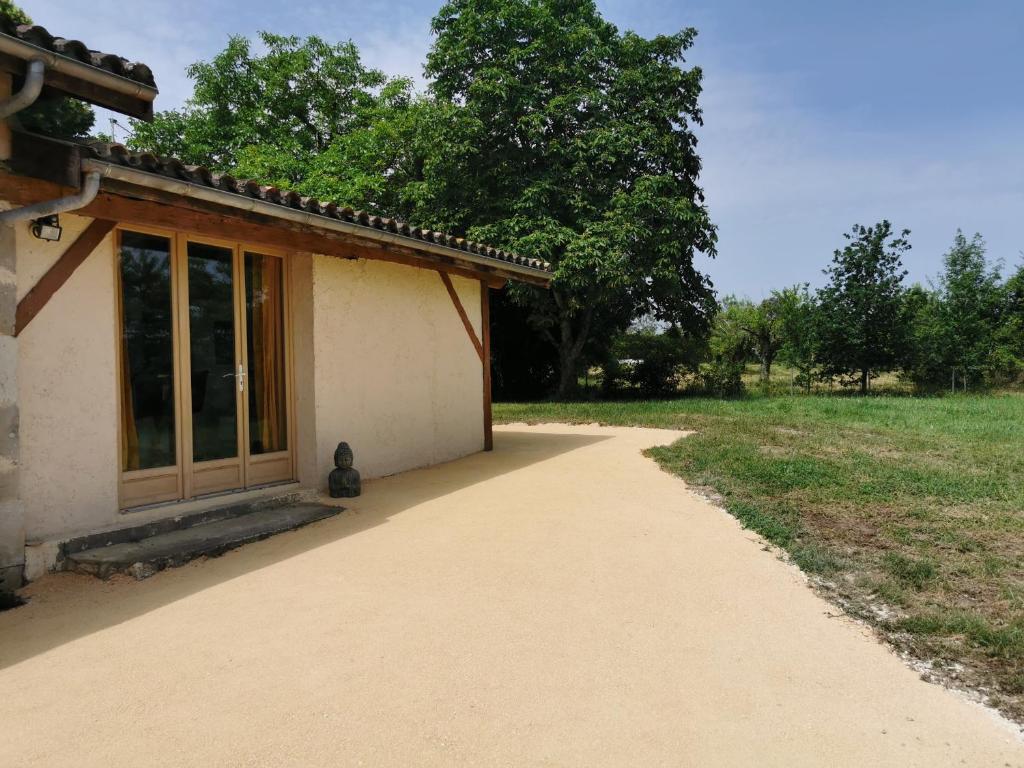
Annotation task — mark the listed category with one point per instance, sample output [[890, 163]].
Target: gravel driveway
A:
[[558, 602]]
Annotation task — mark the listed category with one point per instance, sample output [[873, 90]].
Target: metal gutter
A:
[[34, 76], [29, 92], [90, 187], [200, 192], [69, 66]]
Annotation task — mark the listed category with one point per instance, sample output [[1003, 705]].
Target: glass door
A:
[[214, 373], [268, 457], [147, 351], [204, 365]]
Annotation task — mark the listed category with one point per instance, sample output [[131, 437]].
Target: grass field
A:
[[909, 512]]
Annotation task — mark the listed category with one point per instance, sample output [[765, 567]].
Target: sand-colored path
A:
[[559, 602]]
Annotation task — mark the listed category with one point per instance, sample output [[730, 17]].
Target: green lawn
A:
[[909, 512]]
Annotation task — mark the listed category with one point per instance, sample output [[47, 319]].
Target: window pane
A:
[[212, 346], [147, 353], [264, 318]]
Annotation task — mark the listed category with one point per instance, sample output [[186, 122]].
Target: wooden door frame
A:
[[248, 459], [190, 466], [184, 468], [141, 476]]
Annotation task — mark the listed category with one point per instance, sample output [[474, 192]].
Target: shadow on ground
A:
[[64, 607]]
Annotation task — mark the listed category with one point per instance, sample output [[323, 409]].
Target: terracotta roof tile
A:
[[76, 49], [176, 169]]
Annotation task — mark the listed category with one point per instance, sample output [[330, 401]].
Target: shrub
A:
[[649, 361], [722, 377]]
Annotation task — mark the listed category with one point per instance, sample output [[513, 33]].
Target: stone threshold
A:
[[142, 550], [46, 554]]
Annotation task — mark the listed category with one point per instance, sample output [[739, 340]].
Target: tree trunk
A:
[[570, 347], [766, 369], [864, 382], [567, 382]]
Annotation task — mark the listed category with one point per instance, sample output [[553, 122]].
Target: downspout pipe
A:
[[29, 91], [88, 192]]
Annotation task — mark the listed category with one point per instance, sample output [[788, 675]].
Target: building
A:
[[191, 334]]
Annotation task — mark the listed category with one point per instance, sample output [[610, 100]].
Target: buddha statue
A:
[[343, 482]]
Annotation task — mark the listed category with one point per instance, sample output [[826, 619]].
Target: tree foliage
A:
[[728, 349], [650, 360], [1010, 334], [270, 115], [11, 13], [545, 131], [963, 328], [860, 323], [584, 156], [797, 309], [763, 324]]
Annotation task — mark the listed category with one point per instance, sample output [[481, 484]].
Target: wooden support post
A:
[[462, 314], [482, 347], [485, 327], [72, 258]]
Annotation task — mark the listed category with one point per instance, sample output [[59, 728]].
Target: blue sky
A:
[[818, 115]]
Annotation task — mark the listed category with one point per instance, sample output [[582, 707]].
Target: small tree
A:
[[958, 327], [764, 327], [924, 357], [971, 290], [1010, 336], [860, 310], [797, 311], [728, 349]]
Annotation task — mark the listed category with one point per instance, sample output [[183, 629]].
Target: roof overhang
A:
[[131, 177], [82, 81], [45, 168]]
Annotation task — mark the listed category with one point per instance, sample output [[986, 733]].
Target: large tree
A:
[[584, 156], [307, 114], [860, 321], [269, 114], [546, 131]]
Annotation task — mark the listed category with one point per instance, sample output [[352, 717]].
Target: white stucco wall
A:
[[396, 375], [303, 380], [68, 391], [381, 359]]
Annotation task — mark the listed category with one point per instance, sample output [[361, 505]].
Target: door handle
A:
[[240, 376]]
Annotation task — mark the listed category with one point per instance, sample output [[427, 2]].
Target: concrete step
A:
[[146, 556]]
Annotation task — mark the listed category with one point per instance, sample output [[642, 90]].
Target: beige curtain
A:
[[268, 351], [129, 432]]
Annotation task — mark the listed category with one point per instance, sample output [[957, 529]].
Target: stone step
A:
[[146, 556]]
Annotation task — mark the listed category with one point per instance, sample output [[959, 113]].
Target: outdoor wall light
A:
[[47, 228]]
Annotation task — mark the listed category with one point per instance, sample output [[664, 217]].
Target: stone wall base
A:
[[11, 578]]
